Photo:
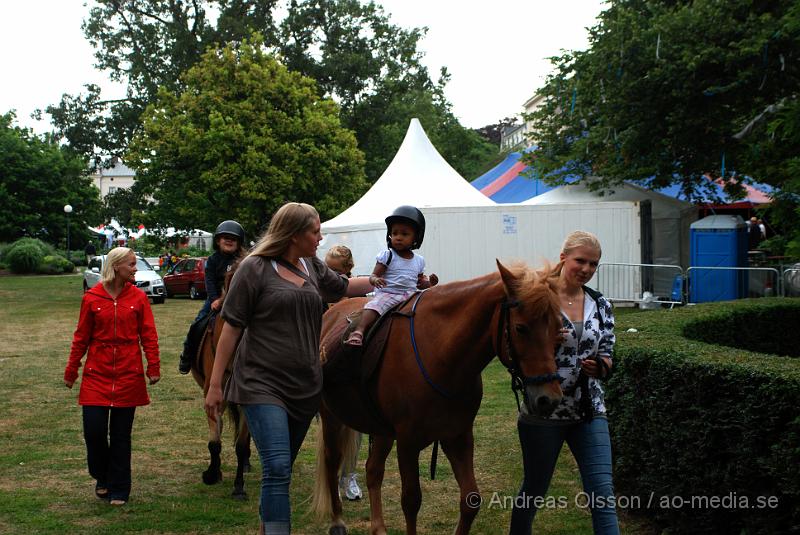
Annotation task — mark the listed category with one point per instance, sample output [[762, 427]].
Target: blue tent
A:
[[511, 181]]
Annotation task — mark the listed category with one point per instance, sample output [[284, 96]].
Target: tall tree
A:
[[243, 137], [350, 48], [147, 44], [382, 118], [127, 205], [665, 88], [670, 91], [37, 178]]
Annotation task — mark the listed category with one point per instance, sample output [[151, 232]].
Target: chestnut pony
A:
[[201, 371], [458, 329]]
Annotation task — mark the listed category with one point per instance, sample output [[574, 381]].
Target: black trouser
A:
[[107, 431], [191, 344]]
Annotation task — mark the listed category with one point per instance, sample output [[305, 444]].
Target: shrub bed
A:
[[24, 258], [706, 436], [29, 255], [55, 264]]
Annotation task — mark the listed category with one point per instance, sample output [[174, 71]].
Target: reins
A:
[[519, 381], [444, 393]]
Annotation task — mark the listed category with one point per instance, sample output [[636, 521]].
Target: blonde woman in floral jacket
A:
[[584, 358]]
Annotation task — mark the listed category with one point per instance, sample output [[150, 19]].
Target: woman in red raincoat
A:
[[115, 320]]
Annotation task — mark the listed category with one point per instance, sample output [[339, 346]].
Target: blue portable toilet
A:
[[718, 241]]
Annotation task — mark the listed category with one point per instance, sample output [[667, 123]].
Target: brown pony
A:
[[458, 329], [201, 371]]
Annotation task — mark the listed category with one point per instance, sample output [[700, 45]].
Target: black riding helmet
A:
[[229, 227], [410, 215]]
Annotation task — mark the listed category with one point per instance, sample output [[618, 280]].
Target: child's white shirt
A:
[[401, 274]]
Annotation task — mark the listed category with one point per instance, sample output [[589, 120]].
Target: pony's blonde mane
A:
[[535, 288]]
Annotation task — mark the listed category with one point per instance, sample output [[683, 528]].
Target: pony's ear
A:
[[508, 278]]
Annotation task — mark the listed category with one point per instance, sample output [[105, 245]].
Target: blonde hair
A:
[[113, 258], [291, 218], [342, 253], [578, 238]]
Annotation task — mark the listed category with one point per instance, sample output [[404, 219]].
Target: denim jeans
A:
[[591, 446], [204, 311], [278, 438], [107, 432]]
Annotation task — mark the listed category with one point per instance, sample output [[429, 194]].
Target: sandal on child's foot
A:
[[355, 339]]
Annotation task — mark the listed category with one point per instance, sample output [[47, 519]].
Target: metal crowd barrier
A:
[[648, 284], [790, 282], [653, 285]]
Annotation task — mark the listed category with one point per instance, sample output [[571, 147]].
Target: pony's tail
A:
[[321, 504], [347, 443], [235, 417]]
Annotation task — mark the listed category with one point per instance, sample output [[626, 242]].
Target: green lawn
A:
[[45, 487]]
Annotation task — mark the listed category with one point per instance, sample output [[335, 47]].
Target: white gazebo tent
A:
[[419, 176]]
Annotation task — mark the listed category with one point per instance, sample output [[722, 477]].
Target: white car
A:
[[146, 278]]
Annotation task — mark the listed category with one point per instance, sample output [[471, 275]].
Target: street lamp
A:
[[67, 210]]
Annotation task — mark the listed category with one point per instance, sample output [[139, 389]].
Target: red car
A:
[[188, 276]]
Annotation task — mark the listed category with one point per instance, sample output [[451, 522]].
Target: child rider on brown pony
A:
[[399, 271]]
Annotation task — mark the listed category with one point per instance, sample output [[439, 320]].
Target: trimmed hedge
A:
[[751, 328], [692, 420]]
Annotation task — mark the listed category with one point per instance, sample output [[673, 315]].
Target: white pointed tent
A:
[[419, 176]]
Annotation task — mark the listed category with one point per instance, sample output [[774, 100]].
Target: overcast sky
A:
[[495, 51]]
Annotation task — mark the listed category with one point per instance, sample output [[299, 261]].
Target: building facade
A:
[[517, 138], [118, 176]]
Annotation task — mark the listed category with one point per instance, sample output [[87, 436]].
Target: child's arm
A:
[[376, 279]]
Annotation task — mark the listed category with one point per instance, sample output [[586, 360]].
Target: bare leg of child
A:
[[356, 338]]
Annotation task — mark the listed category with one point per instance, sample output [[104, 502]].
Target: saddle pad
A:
[[344, 363], [357, 366]]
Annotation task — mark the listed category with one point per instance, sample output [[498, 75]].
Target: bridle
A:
[[519, 381]]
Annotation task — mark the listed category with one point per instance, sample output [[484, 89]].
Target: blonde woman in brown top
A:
[[273, 309]]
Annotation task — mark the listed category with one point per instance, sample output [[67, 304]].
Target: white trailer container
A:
[[463, 242]]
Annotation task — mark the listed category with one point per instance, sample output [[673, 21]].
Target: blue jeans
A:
[[591, 446], [204, 311], [107, 432], [278, 438]]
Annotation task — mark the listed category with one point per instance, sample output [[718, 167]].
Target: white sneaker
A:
[[352, 491]]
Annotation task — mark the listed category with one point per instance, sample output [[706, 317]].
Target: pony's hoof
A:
[[239, 495], [337, 530], [211, 478]]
